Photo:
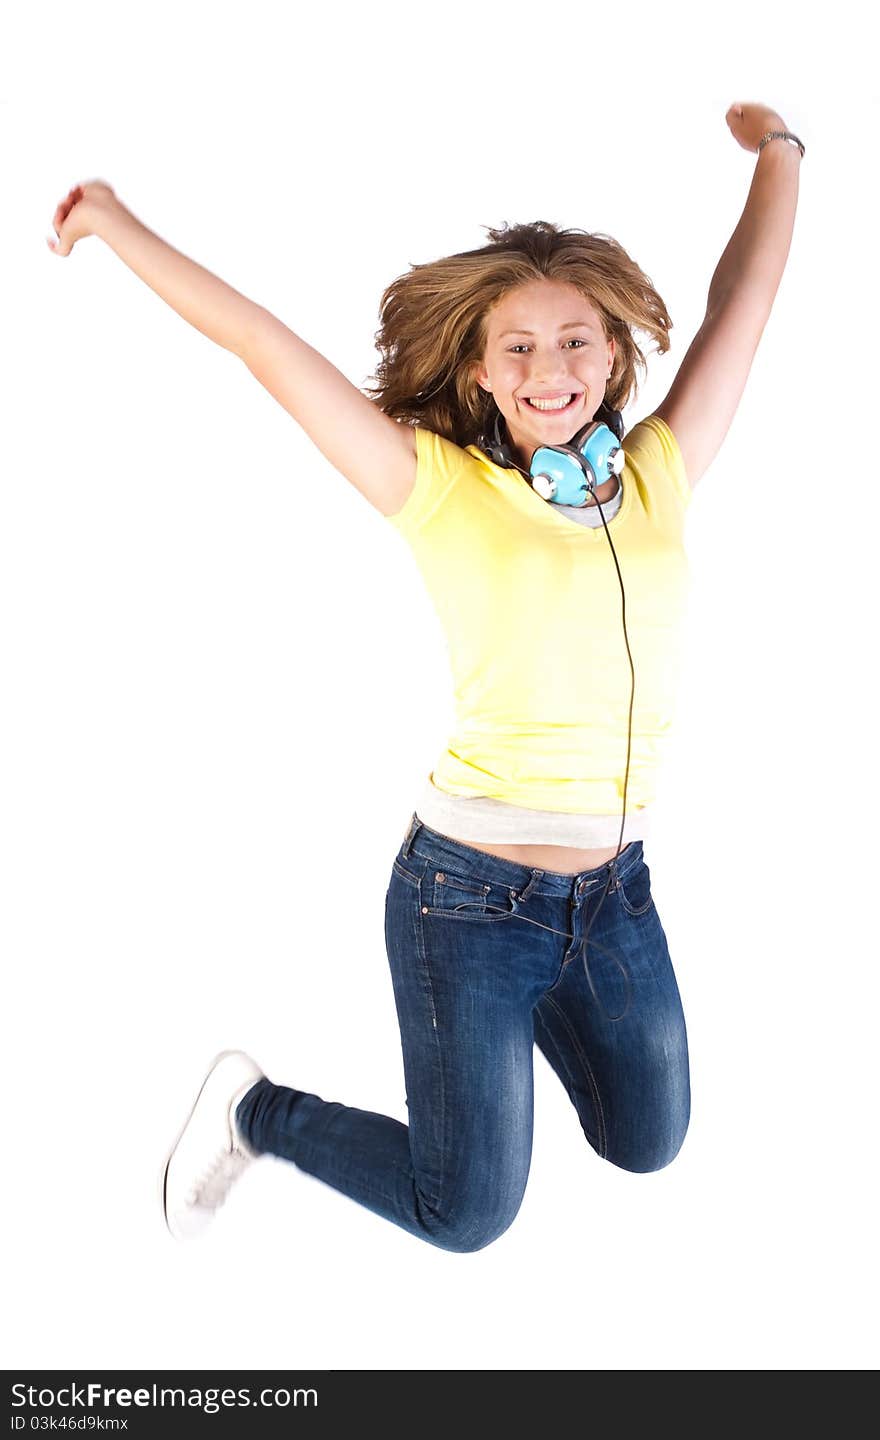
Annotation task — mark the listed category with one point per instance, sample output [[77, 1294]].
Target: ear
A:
[[481, 375]]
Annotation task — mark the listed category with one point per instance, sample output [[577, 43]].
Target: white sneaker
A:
[[209, 1154]]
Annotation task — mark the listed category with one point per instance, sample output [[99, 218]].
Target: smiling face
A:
[[545, 339]]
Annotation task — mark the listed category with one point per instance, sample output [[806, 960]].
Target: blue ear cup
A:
[[567, 474]]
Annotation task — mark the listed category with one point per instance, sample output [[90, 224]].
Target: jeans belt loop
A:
[[415, 826], [535, 876]]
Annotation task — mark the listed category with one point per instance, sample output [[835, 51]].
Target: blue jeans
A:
[[486, 961]]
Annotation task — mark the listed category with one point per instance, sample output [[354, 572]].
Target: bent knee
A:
[[653, 1154], [465, 1240], [468, 1230]]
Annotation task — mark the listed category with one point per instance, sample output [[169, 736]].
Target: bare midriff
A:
[[564, 859]]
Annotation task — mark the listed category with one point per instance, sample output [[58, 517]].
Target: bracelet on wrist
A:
[[780, 135]]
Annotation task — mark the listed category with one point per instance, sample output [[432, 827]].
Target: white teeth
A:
[[559, 404]]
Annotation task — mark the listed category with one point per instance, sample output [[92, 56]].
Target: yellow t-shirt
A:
[[530, 603]]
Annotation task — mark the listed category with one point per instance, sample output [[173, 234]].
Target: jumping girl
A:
[[519, 909]]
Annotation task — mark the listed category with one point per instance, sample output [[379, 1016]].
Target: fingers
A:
[[61, 213]]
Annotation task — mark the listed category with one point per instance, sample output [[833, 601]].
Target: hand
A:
[[748, 122], [79, 213]]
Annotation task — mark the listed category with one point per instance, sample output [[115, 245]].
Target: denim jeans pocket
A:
[[634, 889], [464, 897], [410, 877]]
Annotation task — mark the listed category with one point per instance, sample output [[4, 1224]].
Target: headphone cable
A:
[[582, 949]]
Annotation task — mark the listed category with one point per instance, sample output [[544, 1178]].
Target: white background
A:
[[223, 685]]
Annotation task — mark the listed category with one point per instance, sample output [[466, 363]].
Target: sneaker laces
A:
[[214, 1184]]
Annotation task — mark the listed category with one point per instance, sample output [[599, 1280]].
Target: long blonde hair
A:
[[434, 321]]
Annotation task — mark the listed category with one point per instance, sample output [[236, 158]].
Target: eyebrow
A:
[[571, 325]]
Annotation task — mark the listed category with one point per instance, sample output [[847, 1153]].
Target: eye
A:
[[573, 341]]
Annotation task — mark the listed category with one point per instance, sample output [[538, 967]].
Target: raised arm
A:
[[706, 392], [375, 453]]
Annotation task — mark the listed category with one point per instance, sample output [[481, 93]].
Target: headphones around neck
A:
[[566, 474]]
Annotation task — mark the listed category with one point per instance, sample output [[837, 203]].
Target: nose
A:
[[552, 376]]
